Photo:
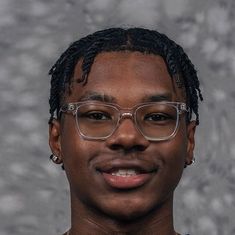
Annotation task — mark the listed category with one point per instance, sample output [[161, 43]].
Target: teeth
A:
[[125, 172]]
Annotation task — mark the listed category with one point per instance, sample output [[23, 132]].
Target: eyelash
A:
[[164, 116], [92, 115]]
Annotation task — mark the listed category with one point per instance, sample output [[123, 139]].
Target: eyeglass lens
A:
[[154, 121]]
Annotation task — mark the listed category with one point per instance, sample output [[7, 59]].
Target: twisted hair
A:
[[118, 39]]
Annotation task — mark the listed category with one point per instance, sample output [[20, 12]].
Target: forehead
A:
[[125, 76]]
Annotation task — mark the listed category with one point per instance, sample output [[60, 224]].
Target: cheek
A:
[[174, 152], [76, 152]]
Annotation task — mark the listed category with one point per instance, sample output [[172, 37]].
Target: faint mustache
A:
[[128, 150]]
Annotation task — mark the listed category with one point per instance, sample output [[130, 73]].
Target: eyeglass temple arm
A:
[[183, 107], [68, 108]]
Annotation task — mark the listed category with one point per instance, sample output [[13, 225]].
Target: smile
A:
[[127, 178], [125, 172], [120, 173]]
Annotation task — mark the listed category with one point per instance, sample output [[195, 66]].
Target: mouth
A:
[[125, 172], [127, 177]]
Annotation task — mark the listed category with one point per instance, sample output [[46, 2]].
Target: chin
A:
[[126, 210], [126, 216]]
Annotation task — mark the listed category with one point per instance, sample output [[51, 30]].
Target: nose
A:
[[127, 137]]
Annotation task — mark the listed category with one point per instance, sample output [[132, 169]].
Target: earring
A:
[[54, 158], [191, 162]]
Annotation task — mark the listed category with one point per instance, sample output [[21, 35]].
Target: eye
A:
[[157, 117], [95, 115]]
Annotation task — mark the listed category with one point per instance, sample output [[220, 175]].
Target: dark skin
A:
[[127, 79]]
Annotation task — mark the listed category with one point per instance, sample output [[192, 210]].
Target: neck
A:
[[89, 221]]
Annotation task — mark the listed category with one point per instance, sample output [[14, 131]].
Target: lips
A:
[[126, 174]]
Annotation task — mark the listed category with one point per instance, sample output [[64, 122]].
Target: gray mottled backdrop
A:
[[34, 196]]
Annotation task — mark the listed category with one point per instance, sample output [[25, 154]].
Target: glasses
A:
[[156, 121]]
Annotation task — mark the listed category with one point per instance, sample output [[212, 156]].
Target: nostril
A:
[[140, 148], [115, 147]]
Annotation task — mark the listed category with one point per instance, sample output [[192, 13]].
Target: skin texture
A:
[[127, 78]]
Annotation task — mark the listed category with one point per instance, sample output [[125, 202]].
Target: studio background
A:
[[34, 197]]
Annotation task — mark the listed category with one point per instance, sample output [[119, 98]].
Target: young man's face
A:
[[126, 79]]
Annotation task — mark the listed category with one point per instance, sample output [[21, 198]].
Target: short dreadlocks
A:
[[119, 39]]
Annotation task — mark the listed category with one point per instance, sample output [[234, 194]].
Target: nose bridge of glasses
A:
[[129, 114], [126, 115]]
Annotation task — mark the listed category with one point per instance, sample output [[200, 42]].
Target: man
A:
[[121, 126]]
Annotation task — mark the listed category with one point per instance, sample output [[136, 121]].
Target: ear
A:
[[191, 128], [54, 139]]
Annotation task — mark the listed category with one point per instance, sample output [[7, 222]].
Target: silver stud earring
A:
[[54, 158], [193, 160]]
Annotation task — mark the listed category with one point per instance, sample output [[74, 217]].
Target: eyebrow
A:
[[95, 96], [158, 97]]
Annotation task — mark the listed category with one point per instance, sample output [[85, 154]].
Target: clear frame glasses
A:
[[156, 121]]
